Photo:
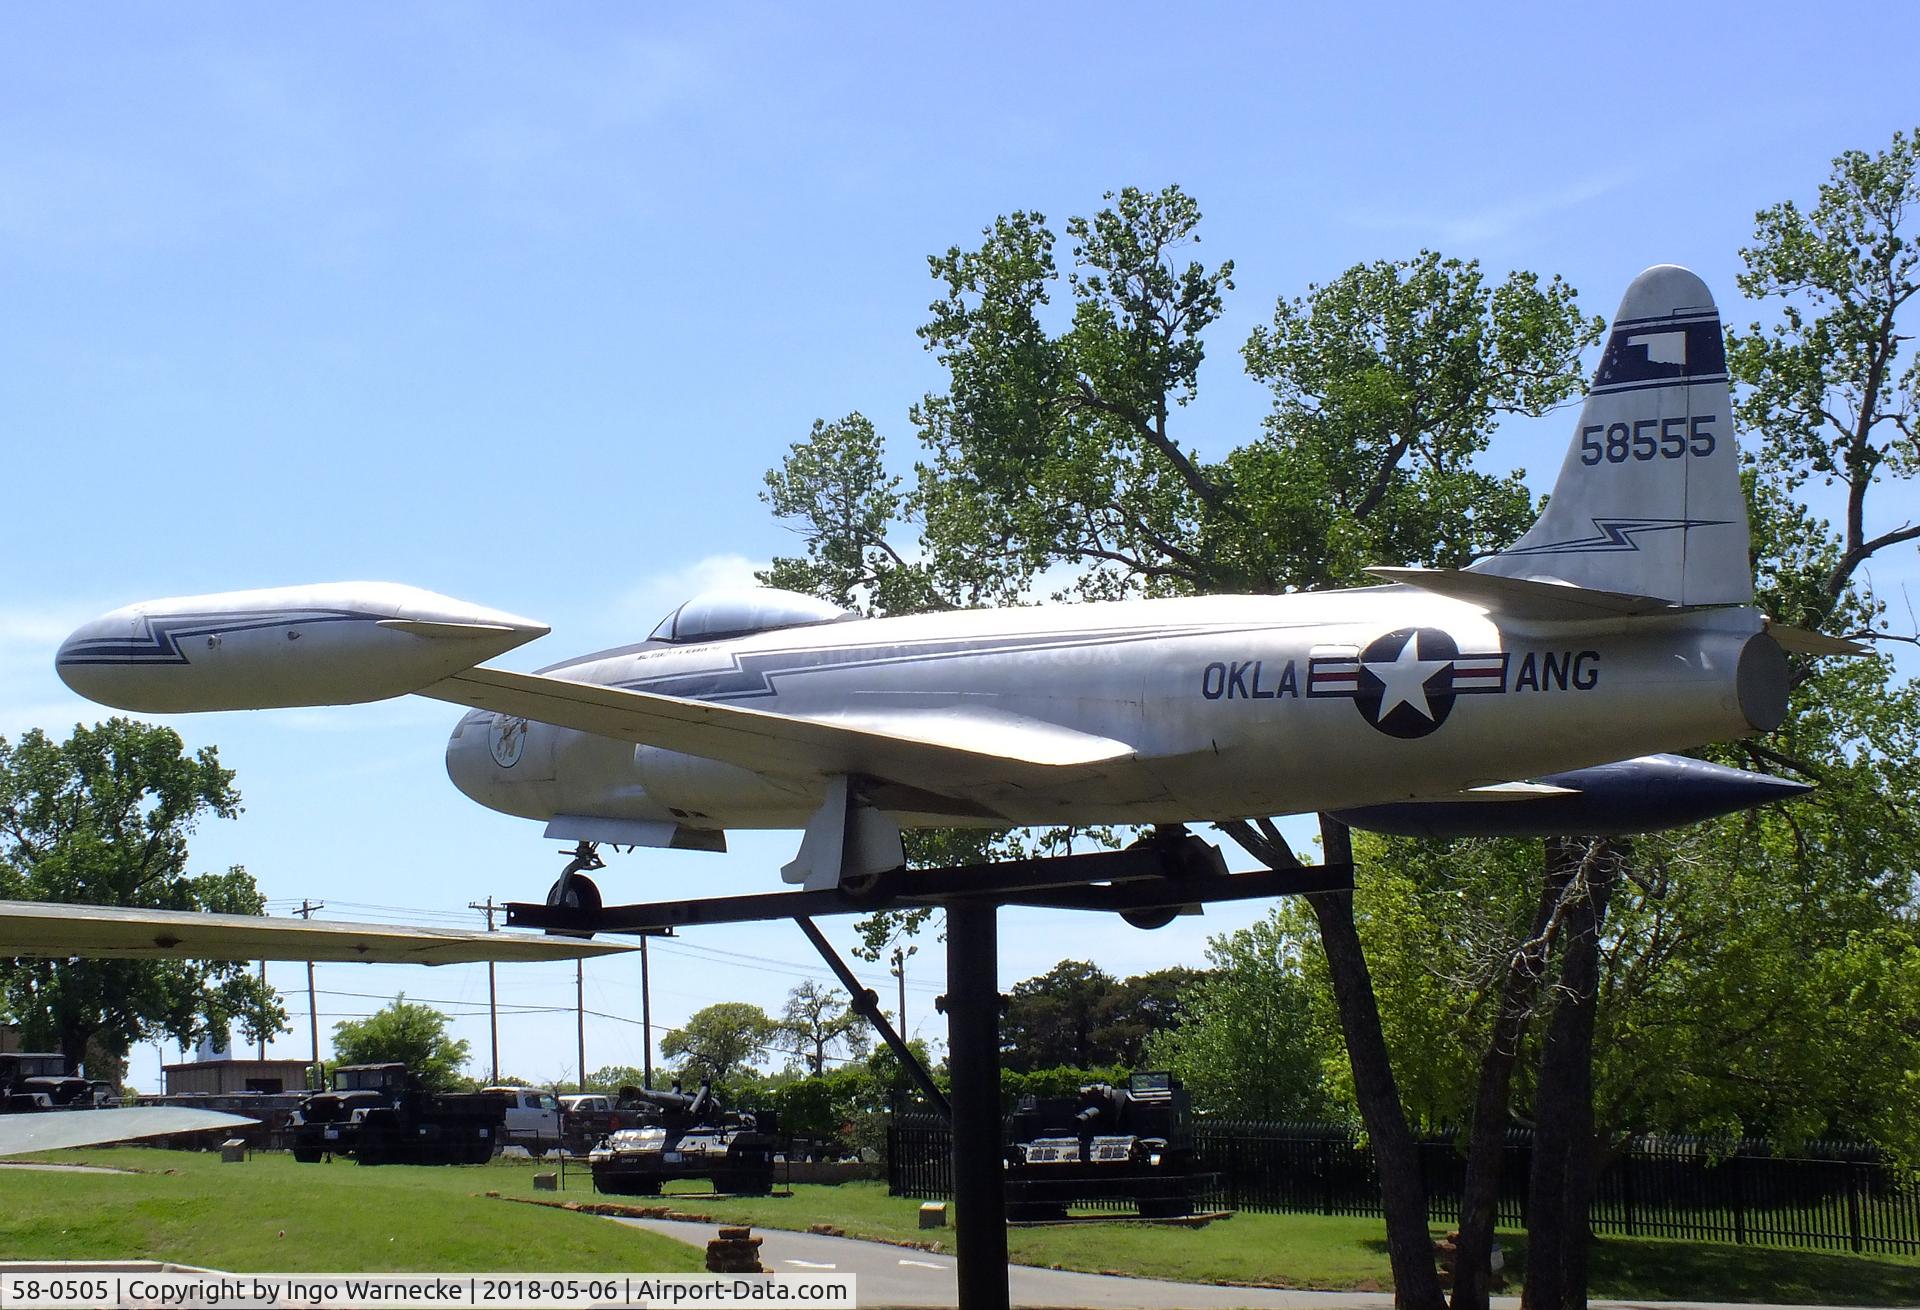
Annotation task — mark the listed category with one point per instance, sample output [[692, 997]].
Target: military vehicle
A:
[[1106, 1143], [380, 1114], [38, 1080], [687, 1136]]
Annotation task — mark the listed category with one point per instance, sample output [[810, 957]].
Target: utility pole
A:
[[263, 990], [306, 911], [646, 1018], [493, 999], [900, 972], [580, 1016]]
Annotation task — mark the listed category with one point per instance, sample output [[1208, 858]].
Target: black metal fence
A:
[[1835, 1196]]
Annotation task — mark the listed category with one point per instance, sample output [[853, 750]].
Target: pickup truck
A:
[[533, 1118], [588, 1117]]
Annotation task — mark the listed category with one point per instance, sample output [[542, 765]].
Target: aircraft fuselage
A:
[[1235, 706]]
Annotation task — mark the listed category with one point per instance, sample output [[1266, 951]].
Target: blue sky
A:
[[517, 303]]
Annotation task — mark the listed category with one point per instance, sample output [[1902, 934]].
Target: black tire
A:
[[581, 893], [306, 1157]]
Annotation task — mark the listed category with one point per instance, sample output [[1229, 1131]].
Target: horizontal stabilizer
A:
[[47, 930], [932, 749], [1526, 598], [1801, 641]]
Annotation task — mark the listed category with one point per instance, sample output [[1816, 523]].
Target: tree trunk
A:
[[1480, 1192], [1416, 1281], [73, 1045], [1560, 1191]]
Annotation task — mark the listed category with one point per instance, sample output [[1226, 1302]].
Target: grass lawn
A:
[[1341, 1253], [270, 1214], [343, 1217]]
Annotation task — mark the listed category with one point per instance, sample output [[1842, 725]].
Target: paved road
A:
[[901, 1276]]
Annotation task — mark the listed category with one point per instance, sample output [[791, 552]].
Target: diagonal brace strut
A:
[[866, 1004]]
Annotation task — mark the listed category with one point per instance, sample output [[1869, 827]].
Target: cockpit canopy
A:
[[737, 611]]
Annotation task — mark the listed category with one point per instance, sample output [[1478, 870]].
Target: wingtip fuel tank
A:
[[1647, 794], [337, 643]]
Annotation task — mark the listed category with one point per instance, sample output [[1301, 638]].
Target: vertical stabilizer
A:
[[1648, 501]]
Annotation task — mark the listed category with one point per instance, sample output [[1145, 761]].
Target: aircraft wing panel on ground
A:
[[935, 750], [56, 1130], [48, 930]]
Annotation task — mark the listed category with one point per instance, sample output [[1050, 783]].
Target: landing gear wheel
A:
[[574, 890], [1190, 858]]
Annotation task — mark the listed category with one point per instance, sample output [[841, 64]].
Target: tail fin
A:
[[1648, 501]]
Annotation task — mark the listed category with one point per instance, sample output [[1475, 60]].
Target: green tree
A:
[[103, 818], [1825, 386], [609, 1079], [1059, 445], [1137, 1009], [816, 1019], [1247, 1048], [411, 1034], [720, 1040], [1050, 1019]]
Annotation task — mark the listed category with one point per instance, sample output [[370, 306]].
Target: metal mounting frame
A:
[[1152, 875]]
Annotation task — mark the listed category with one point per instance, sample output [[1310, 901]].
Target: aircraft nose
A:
[[469, 760]]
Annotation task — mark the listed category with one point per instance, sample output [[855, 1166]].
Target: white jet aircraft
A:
[[1619, 624]]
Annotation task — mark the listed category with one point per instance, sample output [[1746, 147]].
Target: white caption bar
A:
[[26, 1290]]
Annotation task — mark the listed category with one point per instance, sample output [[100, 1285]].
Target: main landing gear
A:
[[1188, 858], [573, 890]]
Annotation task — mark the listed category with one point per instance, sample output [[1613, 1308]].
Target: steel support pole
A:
[[646, 1019], [973, 1056], [493, 1025], [580, 1016], [313, 1021]]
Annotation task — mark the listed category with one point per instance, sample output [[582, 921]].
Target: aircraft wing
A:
[[935, 749], [55, 1130], [57, 931]]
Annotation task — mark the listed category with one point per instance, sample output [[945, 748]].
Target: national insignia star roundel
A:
[[1405, 683]]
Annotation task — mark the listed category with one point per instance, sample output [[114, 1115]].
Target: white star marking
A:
[[1403, 680]]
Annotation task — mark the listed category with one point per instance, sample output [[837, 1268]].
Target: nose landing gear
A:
[[573, 890]]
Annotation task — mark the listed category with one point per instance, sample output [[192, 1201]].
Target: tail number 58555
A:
[[1647, 438]]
